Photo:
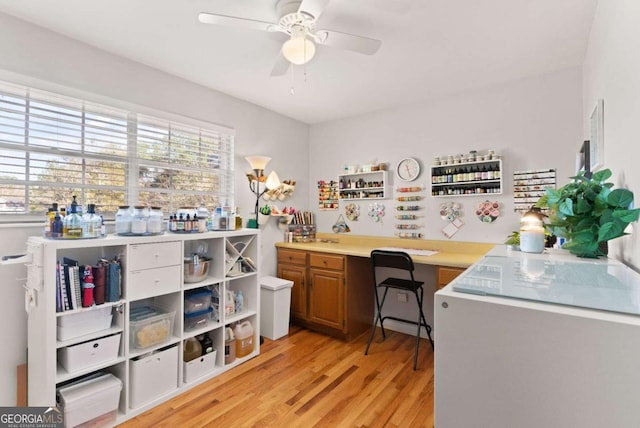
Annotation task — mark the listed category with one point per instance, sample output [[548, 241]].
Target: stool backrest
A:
[[392, 259]]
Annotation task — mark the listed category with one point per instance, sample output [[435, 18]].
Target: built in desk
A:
[[332, 291]]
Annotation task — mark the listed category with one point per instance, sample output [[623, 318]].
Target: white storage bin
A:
[[275, 302], [90, 354], [197, 368], [153, 375], [83, 323], [93, 400]]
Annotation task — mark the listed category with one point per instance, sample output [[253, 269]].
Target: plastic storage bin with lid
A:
[[275, 302], [92, 401], [149, 326], [197, 300]]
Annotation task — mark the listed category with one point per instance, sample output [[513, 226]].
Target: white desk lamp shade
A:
[[258, 162]]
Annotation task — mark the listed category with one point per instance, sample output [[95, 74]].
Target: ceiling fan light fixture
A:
[[298, 50]]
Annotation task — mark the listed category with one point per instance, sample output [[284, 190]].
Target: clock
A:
[[408, 169]]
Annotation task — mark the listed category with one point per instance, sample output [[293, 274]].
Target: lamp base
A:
[[252, 223]]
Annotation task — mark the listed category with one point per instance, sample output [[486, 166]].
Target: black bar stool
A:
[[403, 264]]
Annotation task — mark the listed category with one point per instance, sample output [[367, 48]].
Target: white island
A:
[[538, 340]]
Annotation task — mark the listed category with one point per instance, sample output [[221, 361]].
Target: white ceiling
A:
[[429, 47]]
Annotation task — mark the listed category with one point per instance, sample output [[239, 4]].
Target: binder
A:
[[67, 289], [113, 285], [77, 287], [100, 283], [58, 290]]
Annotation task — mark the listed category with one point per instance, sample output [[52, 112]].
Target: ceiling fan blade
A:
[[233, 21], [336, 39], [313, 7], [281, 66]]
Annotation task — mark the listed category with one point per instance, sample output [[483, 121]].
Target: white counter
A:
[[511, 361]]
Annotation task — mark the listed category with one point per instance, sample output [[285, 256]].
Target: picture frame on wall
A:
[[583, 159], [596, 146]]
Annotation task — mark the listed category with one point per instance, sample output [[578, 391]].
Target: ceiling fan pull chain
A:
[[291, 90]]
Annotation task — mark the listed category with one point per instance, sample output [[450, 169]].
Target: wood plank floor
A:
[[311, 380]]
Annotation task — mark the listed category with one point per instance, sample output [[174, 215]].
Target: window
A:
[[54, 147]]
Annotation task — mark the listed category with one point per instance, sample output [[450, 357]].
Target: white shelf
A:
[[45, 372], [461, 184], [372, 185]]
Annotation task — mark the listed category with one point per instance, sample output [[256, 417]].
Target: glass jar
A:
[[154, 224], [139, 219], [123, 220]]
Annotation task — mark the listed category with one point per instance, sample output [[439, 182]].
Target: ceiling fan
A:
[[297, 19]]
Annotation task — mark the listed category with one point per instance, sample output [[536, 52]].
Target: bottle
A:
[[490, 173], [205, 343], [73, 224], [229, 346], [188, 225], [239, 302], [91, 222], [56, 227], [51, 214], [87, 287], [180, 224], [103, 228], [192, 349]]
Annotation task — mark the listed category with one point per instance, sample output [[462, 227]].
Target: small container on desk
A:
[[302, 232]]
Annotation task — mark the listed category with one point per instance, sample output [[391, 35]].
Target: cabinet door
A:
[[297, 274], [447, 274], [326, 298]]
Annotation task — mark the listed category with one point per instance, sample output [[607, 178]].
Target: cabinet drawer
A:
[[326, 261], [292, 257], [446, 275], [153, 282], [158, 254]]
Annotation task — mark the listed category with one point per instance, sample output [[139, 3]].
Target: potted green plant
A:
[[588, 213]]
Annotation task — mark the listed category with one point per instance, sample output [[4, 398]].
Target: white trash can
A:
[[275, 303]]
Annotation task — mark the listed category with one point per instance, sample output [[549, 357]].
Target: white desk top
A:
[[554, 277]]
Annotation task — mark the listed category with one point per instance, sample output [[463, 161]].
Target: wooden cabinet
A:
[[332, 294], [447, 274], [327, 290], [292, 265]]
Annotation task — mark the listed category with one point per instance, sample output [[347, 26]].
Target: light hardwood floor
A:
[[311, 380]]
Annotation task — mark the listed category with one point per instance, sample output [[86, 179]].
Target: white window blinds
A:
[[53, 147]]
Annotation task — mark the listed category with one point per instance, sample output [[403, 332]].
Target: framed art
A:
[[596, 145], [583, 159]]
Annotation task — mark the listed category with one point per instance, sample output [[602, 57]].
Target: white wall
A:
[[39, 57], [534, 123], [611, 72]]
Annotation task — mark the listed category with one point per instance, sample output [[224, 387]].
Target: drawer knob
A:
[[157, 281]]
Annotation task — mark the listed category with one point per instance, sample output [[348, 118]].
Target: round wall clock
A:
[[408, 169]]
